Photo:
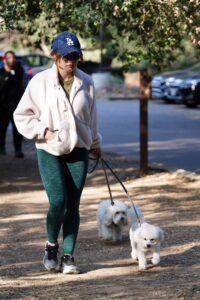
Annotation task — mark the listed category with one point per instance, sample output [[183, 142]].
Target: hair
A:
[[55, 55], [9, 52]]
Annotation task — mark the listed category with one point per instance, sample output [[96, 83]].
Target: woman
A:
[[58, 110]]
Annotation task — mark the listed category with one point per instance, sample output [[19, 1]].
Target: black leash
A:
[[104, 163], [95, 165], [127, 193], [111, 198]]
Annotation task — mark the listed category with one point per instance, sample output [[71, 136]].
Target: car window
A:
[[32, 60], [36, 60], [45, 60]]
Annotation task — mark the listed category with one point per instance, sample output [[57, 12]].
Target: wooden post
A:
[[144, 95]]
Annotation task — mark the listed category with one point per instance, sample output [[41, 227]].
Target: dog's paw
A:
[[155, 260], [134, 255], [142, 267]]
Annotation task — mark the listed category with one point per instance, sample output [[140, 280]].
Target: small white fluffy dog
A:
[[145, 239], [111, 219]]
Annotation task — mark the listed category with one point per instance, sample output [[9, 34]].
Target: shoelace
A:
[[67, 259]]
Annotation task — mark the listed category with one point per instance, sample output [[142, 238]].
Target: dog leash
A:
[[95, 164], [104, 163], [106, 176], [105, 173], [124, 188]]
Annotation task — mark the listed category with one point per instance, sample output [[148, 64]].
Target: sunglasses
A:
[[71, 56]]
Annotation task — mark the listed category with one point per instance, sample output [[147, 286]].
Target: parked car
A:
[[171, 91], [191, 94], [157, 87], [182, 86], [33, 63], [183, 89], [160, 81]]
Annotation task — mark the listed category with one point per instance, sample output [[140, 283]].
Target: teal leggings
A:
[[63, 178]]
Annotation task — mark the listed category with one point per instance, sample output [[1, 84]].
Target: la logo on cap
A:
[[69, 42]]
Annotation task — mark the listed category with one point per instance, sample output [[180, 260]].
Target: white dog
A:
[[145, 239], [111, 219]]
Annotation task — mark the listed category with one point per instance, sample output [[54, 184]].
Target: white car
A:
[[160, 81]]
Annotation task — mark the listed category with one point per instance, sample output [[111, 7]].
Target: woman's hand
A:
[[96, 152], [49, 135]]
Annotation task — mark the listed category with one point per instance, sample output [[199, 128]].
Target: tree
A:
[[139, 30]]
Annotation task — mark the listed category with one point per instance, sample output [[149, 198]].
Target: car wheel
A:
[[191, 103], [168, 101]]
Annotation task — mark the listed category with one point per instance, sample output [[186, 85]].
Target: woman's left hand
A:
[[96, 152]]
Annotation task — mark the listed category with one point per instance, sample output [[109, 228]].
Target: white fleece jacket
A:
[[45, 105]]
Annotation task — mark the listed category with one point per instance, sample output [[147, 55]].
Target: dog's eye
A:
[[117, 212], [152, 240], [145, 239]]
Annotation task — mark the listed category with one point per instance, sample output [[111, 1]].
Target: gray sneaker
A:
[[50, 260], [68, 265]]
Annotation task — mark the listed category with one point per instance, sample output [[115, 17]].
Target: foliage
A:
[[134, 30], [186, 55]]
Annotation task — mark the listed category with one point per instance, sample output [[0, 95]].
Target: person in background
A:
[[58, 110], [11, 90]]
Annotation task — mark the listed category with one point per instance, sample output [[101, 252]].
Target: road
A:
[[174, 132]]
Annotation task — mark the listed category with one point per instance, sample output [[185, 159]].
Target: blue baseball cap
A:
[[65, 43]]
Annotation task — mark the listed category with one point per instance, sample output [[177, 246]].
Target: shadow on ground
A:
[[108, 270]]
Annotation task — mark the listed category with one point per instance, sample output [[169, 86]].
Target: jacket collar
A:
[[78, 80], [77, 84]]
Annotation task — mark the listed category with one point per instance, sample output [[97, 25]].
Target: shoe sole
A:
[[53, 270], [71, 272]]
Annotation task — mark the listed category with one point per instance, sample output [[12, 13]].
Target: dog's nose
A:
[[148, 246]]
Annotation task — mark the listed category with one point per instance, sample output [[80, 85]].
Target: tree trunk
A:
[[45, 48]]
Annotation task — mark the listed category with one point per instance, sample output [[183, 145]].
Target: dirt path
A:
[[169, 200]]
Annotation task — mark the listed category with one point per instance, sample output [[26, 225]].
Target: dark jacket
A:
[[11, 87]]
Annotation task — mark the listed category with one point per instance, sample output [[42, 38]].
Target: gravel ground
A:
[[167, 199]]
